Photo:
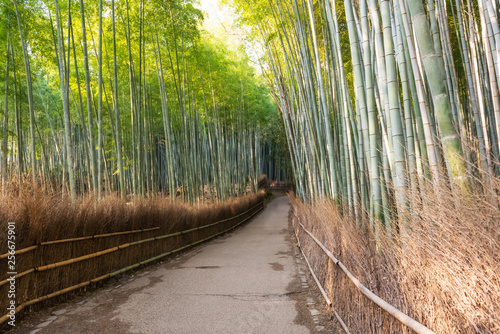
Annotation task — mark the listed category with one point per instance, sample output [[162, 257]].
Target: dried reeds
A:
[[440, 265]]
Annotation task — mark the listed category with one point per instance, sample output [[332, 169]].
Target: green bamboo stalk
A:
[[434, 69], [30, 95], [117, 111], [3, 169]]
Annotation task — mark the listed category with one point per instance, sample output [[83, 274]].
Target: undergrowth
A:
[[440, 264]]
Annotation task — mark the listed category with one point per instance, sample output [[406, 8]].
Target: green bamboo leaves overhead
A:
[[407, 92]]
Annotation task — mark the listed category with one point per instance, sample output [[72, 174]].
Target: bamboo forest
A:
[[162, 102], [373, 125]]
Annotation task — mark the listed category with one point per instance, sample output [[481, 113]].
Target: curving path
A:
[[244, 282]]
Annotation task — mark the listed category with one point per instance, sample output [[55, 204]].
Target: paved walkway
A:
[[244, 282]]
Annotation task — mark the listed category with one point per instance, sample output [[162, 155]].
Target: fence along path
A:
[[403, 318], [245, 282], [250, 213]]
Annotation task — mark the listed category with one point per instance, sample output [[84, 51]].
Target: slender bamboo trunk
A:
[[434, 69], [3, 169], [64, 92], [90, 117], [100, 141], [117, 112], [30, 96]]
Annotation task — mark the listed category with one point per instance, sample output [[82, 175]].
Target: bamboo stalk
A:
[[24, 273], [79, 259], [19, 252]]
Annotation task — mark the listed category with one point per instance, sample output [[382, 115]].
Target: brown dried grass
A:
[[443, 269]]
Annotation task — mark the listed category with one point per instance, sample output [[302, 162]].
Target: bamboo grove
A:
[[381, 98], [132, 97]]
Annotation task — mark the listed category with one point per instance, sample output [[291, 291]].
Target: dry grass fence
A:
[[96, 241], [443, 269]]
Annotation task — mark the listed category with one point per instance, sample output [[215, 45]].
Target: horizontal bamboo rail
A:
[[18, 252], [46, 243], [79, 259], [5, 317], [403, 318], [342, 323], [98, 236], [24, 273]]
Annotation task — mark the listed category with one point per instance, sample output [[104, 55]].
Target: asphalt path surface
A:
[[244, 282]]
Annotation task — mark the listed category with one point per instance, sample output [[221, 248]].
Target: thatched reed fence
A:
[[53, 268], [396, 313]]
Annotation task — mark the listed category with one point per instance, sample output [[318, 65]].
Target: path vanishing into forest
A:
[[249, 281]]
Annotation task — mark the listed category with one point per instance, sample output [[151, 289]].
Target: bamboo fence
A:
[[396, 313]]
